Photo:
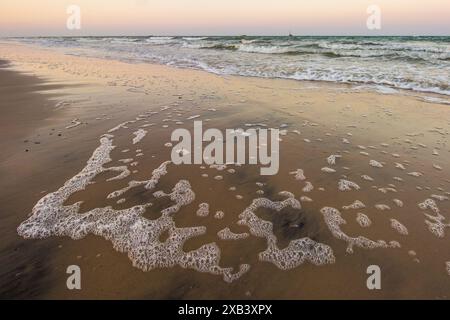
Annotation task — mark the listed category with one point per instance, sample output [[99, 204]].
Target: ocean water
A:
[[415, 63]]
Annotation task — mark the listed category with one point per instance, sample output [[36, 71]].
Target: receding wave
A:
[[414, 63]]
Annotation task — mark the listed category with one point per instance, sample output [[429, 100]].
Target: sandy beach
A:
[[364, 176]]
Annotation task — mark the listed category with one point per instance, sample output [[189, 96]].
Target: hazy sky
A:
[[224, 17]]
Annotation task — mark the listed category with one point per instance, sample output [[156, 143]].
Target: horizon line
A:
[[233, 35]]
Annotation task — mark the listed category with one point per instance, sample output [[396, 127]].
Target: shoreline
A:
[[102, 94], [435, 97]]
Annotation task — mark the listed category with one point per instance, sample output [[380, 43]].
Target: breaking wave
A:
[[414, 63]]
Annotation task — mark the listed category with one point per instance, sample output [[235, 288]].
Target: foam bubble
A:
[[386, 190], [203, 210], [219, 215], [328, 170], [346, 185], [363, 220], [156, 175], [227, 234], [429, 204], [149, 184], [334, 220], [181, 194], [124, 172], [298, 251], [434, 222], [398, 202], [355, 205], [299, 174], [218, 167], [139, 135], [125, 161], [308, 187], [415, 174], [375, 164], [382, 207], [439, 197], [400, 228], [364, 153], [127, 229], [332, 159], [120, 126], [305, 199]]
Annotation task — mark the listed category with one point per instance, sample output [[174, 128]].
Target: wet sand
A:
[[63, 105]]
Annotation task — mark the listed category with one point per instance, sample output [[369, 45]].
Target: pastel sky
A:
[[224, 17]]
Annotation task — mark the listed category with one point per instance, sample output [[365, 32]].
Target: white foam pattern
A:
[[127, 229], [334, 220], [298, 251]]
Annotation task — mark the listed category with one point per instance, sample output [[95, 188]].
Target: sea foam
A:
[[127, 229]]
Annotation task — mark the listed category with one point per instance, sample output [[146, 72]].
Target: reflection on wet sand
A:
[[363, 180]]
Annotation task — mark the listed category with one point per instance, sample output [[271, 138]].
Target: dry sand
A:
[[57, 106]]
